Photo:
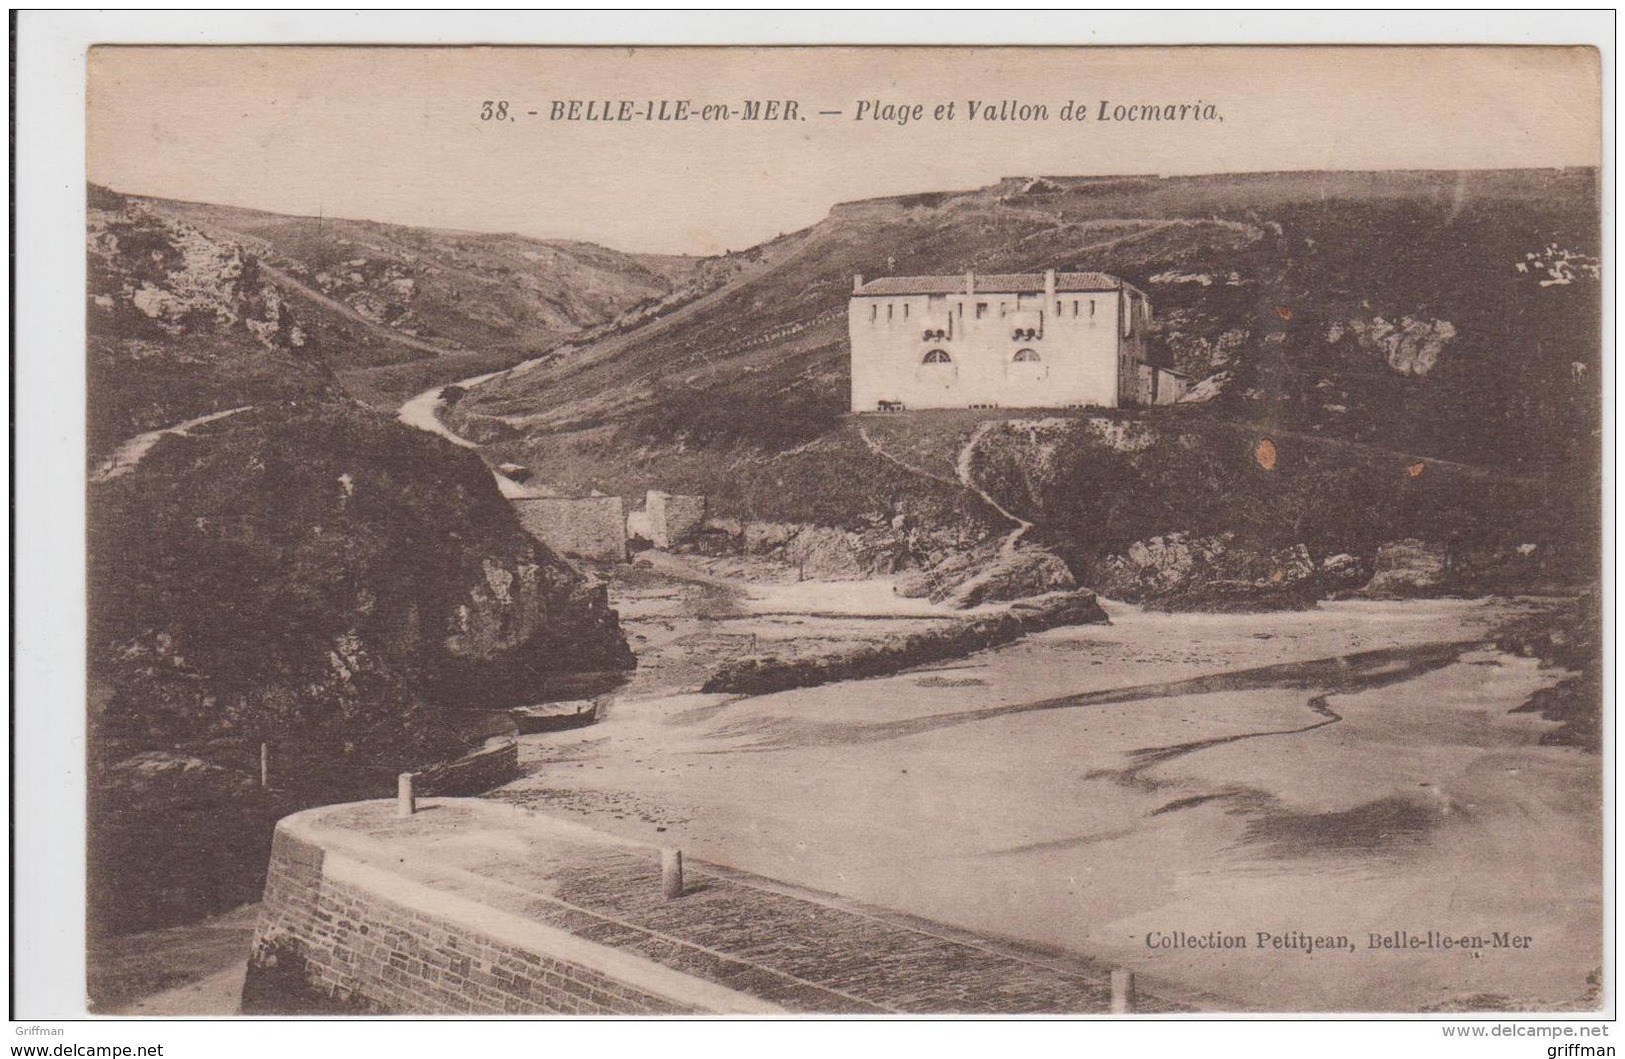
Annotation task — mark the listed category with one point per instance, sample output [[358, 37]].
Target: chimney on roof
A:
[[857, 283], [1049, 285], [970, 283]]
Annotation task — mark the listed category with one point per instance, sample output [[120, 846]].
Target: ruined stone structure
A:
[[1160, 385], [673, 518], [586, 527], [1028, 340]]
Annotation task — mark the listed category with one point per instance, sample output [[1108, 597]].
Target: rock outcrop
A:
[[1180, 572], [1410, 567], [336, 555], [828, 553], [762, 674], [1020, 574], [989, 575], [1410, 346], [180, 326], [1343, 571]]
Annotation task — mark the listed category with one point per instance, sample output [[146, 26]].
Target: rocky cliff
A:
[[180, 325], [319, 580], [1193, 511], [334, 555], [272, 563]]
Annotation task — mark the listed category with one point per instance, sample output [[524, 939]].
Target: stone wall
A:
[[587, 527], [338, 935], [673, 518], [470, 906]]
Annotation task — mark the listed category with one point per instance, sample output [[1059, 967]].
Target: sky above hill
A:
[[404, 135]]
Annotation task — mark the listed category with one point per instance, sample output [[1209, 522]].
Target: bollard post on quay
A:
[[671, 872], [1122, 992]]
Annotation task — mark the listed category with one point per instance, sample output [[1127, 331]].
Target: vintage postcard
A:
[[845, 530]]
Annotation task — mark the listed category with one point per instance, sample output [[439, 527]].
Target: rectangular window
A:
[[981, 309], [1074, 307], [889, 308], [874, 311], [1057, 308], [905, 310], [1091, 307]]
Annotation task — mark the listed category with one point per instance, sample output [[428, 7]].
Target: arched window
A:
[[1028, 356], [938, 356]]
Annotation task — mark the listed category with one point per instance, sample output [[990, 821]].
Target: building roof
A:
[[994, 283]]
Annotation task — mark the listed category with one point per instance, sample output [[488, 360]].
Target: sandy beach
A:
[[1311, 783]]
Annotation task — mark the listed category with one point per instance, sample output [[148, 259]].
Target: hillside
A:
[[1309, 294], [372, 296], [1446, 317], [272, 563], [180, 326], [1421, 349]]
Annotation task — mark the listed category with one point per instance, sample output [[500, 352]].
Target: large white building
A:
[[1027, 340]]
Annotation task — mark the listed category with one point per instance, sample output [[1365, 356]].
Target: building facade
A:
[[1029, 340]]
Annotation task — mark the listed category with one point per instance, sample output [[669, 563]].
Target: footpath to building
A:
[[470, 906]]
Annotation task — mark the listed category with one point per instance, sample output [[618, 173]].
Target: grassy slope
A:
[[396, 307], [758, 369]]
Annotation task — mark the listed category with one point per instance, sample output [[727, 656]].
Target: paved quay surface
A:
[[798, 949]]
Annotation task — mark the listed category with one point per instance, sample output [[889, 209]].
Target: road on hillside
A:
[[130, 454], [287, 281]]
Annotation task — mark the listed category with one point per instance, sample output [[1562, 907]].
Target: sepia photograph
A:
[[833, 530]]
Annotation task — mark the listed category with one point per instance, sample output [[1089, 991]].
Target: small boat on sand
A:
[[554, 716]]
